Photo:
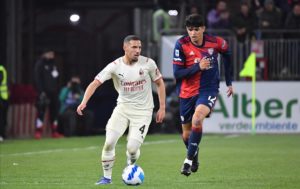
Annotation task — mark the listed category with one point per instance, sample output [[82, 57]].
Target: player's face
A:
[[195, 33], [133, 50]]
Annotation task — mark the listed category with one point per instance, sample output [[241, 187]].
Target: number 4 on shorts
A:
[[142, 129]]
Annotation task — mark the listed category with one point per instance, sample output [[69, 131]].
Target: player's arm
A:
[[226, 55], [90, 90], [228, 72], [179, 69], [181, 72], [161, 91], [104, 75]]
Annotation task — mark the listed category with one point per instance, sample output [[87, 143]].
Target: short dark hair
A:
[[130, 38], [194, 20]]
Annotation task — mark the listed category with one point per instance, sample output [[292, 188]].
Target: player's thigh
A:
[[118, 121], [205, 103], [139, 125], [201, 112], [187, 108]]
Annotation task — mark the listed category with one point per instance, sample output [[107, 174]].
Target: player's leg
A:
[[115, 128], [187, 107], [139, 124], [186, 112], [205, 104], [133, 151], [186, 131], [108, 152], [196, 134]]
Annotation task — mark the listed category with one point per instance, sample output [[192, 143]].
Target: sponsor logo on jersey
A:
[[192, 53]]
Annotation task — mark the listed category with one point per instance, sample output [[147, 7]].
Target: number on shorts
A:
[[142, 129]]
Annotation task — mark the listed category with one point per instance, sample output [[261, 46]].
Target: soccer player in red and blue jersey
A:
[[196, 70]]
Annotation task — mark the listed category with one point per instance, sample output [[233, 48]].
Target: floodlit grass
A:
[[245, 161]]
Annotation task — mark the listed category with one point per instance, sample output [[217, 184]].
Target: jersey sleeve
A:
[[106, 73], [226, 54], [154, 71], [222, 45], [178, 55]]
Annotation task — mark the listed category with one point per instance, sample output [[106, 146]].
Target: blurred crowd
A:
[[255, 14], [243, 17]]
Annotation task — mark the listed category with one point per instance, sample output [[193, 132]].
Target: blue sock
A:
[[194, 141]]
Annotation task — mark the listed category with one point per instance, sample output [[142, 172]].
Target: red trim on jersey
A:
[[178, 63]]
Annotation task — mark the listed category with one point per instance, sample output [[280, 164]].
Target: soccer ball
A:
[[133, 175]]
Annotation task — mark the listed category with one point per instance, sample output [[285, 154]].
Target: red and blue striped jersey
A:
[[190, 80]]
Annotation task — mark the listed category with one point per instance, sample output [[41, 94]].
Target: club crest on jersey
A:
[[210, 51], [141, 72]]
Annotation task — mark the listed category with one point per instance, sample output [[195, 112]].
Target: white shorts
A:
[[137, 120]]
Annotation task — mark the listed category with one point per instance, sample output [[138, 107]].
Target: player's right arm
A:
[[90, 90], [104, 75], [179, 69]]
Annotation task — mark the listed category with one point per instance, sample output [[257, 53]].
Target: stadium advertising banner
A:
[[278, 109]]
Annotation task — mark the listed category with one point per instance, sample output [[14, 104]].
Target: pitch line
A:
[[79, 149]]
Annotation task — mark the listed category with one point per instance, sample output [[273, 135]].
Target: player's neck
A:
[[127, 60], [199, 42]]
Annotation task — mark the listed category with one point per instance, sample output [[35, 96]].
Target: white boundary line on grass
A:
[[94, 147], [78, 149]]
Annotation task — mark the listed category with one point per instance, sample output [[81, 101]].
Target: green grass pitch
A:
[[243, 162]]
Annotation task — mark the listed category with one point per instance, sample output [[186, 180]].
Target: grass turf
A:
[[245, 161]]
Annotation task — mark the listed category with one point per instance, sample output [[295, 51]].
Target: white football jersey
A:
[[132, 82]]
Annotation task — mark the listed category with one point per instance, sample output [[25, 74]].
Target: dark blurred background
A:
[[83, 48]]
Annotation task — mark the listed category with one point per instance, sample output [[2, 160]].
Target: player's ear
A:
[[203, 28], [124, 46]]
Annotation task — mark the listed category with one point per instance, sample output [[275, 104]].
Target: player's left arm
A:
[[161, 91], [226, 55]]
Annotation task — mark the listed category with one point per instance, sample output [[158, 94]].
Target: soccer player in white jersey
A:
[[132, 75]]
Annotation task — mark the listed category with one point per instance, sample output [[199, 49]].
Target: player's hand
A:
[[204, 63], [80, 108], [229, 91], [160, 115]]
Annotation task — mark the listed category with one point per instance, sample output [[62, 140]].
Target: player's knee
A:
[[198, 120], [108, 146], [133, 146], [197, 123], [132, 150]]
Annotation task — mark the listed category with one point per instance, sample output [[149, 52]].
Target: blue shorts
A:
[[187, 106]]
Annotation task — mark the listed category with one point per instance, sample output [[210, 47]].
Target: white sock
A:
[[108, 159], [188, 161]]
